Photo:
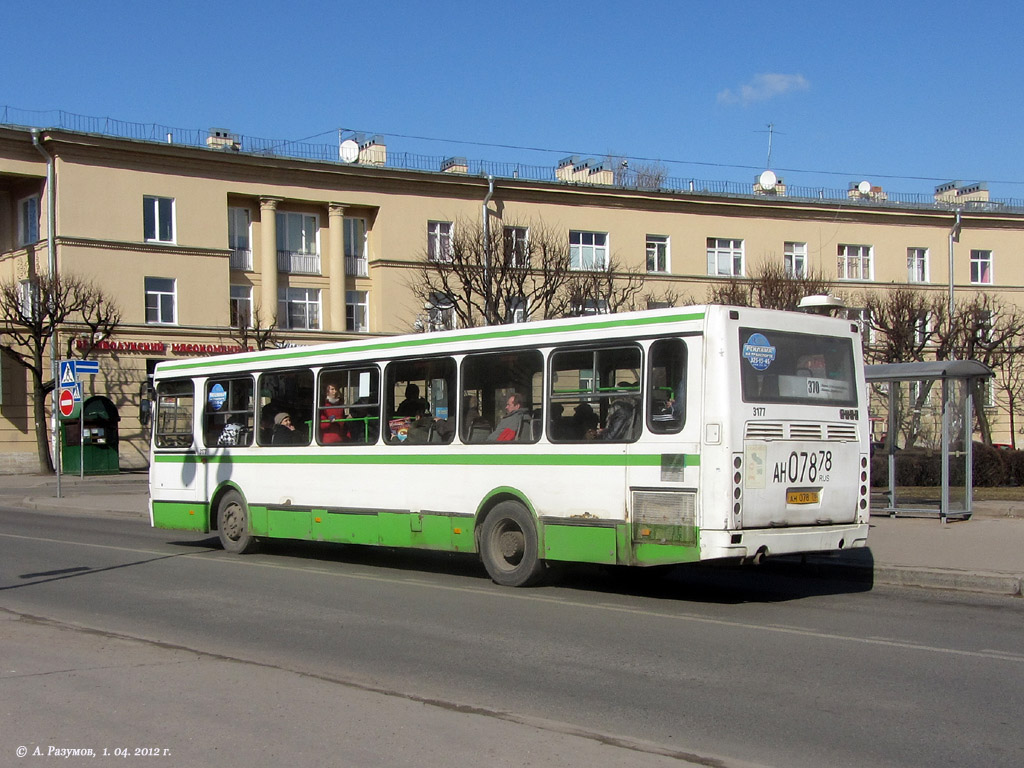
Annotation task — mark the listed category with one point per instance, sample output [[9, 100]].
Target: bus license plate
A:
[[801, 497]]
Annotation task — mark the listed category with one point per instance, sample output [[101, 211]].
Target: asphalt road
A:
[[401, 658]]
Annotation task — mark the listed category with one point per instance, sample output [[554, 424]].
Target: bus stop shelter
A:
[[956, 380]]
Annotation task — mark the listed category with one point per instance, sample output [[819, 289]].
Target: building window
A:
[[355, 247], [158, 219], [854, 262], [241, 306], [298, 243], [440, 312], [298, 308], [517, 246], [657, 253], [795, 260], [588, 250], [981, 267], [725, 257], [357, 311], [917, 265], [28, 221], [923, 329], [160, 300], [516, 310], [29, 300], [862, 317], [439, 240], [239, 241], [592, 307]]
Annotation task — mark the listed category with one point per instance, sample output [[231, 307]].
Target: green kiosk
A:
[[89, 444]]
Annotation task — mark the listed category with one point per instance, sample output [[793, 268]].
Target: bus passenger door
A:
[[663, 470], [177, 476]]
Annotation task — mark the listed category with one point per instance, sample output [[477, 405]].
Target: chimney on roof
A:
[[455, 165], [373, 150]]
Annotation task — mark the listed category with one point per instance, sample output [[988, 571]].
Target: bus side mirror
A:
[[145, 410]]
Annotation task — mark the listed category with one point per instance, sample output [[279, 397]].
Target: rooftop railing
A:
[[328, 153]]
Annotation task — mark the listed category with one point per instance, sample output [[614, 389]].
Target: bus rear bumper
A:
[[764, 542]]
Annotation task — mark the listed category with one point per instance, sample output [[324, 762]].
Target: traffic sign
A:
[[68, 374], [68, 405], [83, 367]]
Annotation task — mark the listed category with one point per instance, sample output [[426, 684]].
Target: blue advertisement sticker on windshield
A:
[[217, 397], [759, 352]]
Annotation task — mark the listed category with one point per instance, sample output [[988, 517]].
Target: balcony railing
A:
[[296, 263], [355, 266], [241, 258]]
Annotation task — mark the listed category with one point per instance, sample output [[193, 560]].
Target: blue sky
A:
[[905, 94]]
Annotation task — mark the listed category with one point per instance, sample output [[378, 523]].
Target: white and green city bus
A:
[[645, 438]]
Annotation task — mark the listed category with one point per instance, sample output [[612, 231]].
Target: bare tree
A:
[[513, 273], [251, 333], [769, 286], [638, 174], [31, 311]]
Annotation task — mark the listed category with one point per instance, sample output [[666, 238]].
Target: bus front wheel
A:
[[233, 524], [508, 546]]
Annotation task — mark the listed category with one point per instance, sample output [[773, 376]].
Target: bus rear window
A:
[[799, 368]]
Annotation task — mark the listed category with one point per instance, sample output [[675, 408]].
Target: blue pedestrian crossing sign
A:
[[70, 370]]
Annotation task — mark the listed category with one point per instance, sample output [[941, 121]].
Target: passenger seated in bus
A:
[[286, 433], [429, 429], [332, 416], [621, 423], [475, 427], [412, 405], [584, 421], [511, 427]]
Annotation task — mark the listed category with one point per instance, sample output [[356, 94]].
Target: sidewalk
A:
[[983, 554]]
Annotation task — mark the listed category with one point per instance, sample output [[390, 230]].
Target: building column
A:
[[266, 309], [336, 265]]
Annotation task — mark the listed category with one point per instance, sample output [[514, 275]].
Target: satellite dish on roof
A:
[[349, 151], [864, 187], [767, 180]]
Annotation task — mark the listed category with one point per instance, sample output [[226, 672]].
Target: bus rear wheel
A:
[[233, 524], [509, 546]]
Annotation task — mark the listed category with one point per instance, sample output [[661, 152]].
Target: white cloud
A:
[[764, 87]]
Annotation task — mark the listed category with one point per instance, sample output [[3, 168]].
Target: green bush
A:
[[992, 467]]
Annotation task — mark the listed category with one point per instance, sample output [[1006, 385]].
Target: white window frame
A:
[[29, 299], [240, 237], [593, 307], [658, 257], [439, 241], [794, 259], [161, 300], [516, 243], [588, 251], [982, 266], [241, 303], [308, 299], [298, 242], [855, 262], [356, 260], [159, 219], [918, 265], [726, 257], [28, 220], [357, 311]]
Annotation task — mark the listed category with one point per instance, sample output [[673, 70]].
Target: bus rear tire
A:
[[509, 546], [233, 524]]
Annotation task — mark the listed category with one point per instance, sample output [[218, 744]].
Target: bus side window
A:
[[666, 400], [501, 395], [418, 401]]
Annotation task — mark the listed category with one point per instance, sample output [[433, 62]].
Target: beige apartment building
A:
[[193, 237]]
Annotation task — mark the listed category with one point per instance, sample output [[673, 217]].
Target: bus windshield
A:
[[798, 368]]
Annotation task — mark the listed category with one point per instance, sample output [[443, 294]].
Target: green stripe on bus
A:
[[439, 459], [430, 340]]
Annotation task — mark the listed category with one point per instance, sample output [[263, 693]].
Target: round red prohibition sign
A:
[[66, 403]]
